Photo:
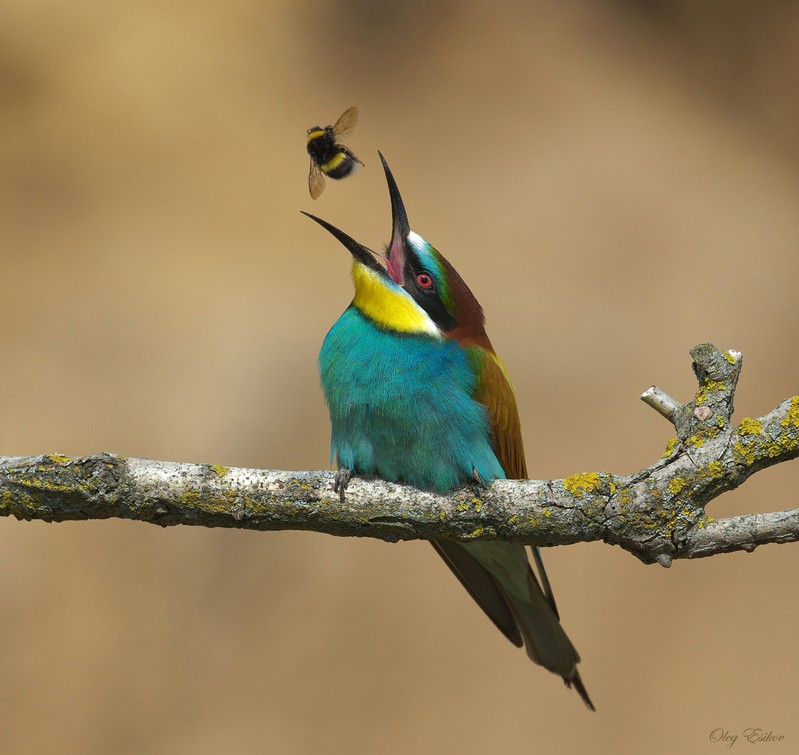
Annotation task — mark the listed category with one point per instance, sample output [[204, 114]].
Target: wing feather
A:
[[533, 620], [495, 391]]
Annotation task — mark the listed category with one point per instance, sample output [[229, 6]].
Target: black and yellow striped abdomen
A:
[[333, 159]]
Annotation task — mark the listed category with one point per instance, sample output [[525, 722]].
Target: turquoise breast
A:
[[401, 406]]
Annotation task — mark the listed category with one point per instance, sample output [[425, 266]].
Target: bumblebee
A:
[[328, 157]]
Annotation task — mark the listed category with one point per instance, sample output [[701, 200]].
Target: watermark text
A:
[[752, 736]]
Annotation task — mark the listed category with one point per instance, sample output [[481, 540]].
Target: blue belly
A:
[[401, 407]]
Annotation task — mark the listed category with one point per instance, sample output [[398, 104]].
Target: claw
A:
[[341, 482]]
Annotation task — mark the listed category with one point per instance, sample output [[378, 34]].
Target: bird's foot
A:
[[341, 482]]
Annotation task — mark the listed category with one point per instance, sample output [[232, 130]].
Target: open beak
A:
[[358, 251], [396, 254], [397, 250]]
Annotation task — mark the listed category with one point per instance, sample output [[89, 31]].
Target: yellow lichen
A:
[[220, 470], [759, 444], [677, 484], [59, 459], [778, 447], [578, 484], [624, 498], [714, 470], [477, 531], [749, 426], [708, 387], [744, 453], [792, 416], [696, 441], [39, 484], [191, 498], [729, 357], [671, 447]]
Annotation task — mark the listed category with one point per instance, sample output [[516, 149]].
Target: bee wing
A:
[[346, 122], [316, 180]]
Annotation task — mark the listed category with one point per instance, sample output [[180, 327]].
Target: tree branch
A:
[[657, 513]]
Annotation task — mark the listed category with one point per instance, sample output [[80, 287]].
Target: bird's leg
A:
[[341, 481]]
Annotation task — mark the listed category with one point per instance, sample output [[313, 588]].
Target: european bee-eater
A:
[[417, 394]]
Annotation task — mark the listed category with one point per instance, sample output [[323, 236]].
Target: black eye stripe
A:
[[428, 299]]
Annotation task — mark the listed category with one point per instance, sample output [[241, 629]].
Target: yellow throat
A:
[[388, 305]]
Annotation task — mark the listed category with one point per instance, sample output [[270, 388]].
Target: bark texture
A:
[[657, 513]]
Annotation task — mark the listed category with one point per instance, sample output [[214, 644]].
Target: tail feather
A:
[[545, 640], [577, 682], [482, 586], [502, 582], [542, 574]]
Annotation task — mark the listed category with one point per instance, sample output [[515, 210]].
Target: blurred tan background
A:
[[617, 182]]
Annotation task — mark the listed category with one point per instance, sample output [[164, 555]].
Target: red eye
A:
[[424, 280]]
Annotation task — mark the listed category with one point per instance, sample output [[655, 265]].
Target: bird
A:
[[417, 395]]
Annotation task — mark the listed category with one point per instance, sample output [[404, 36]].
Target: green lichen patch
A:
[[220, 470]]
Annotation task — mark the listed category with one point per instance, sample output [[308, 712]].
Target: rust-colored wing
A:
[[492, 572], [494, 391]]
